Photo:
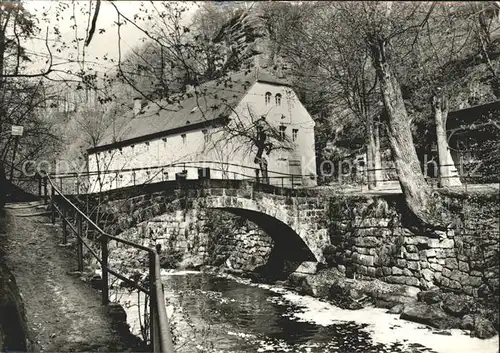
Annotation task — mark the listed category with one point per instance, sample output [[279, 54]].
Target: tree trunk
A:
[[373, 154], [448, 174], [377, 159], [417, 193], [370, 155]]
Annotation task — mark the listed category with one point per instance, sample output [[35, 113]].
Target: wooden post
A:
[[79, 244], [153, 323], [45, 193], [39, 177], [64, 225], [104, 269], [52, 206]]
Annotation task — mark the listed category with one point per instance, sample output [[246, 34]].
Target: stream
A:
[[211, 313]]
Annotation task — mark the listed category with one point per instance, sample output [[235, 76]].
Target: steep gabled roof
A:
[[206, 104]]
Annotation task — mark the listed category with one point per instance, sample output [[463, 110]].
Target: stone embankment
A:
[[438, 309]]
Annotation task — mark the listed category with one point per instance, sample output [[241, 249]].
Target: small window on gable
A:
[[295, 132], [268, 97], [277, 98], [282, 130], [183, 136]]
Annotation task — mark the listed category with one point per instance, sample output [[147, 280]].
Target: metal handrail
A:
[[160, 336], [286, 180], [170, 165]]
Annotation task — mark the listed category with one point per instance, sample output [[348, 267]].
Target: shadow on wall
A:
[[289, 250]]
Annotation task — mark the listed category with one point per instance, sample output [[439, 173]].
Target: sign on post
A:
[[17, 130]]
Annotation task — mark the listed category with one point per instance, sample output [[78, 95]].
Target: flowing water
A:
[[225, 314]]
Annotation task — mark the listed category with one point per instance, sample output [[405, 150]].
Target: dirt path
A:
[[64, 313]]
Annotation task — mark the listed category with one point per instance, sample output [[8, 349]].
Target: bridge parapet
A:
[[278, 210]]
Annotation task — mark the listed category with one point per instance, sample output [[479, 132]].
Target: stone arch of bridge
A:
[[292, 232], [292, 223], [288, 245]]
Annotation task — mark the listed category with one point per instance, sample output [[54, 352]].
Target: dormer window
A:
[[268, 97], [282, 130], [277, 98]]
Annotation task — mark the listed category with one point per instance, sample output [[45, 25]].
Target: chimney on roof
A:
[[279, 72], [137, 105], [280, 68]]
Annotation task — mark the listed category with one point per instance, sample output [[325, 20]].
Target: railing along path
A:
[[160, 336], [114, 178]]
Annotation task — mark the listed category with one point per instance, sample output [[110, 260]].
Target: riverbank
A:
[[440, 310], [215, 311]]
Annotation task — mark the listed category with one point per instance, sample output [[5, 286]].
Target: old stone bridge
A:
[[365, 236], [294, 219]]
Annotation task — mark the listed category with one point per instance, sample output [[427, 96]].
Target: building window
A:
[[278, 99], [282, 130], [268, 97], [183, 136], [294, 134], [205, 135], [147, 146]]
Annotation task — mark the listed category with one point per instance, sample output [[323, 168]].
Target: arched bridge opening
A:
[[289, 249]]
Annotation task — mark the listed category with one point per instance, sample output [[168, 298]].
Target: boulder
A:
[[467, 322], [396, 309], [483, 328], [494, 318], [307, 267], [342, 296], [456, 305], [192, 263], [431, 315], [429, 296]]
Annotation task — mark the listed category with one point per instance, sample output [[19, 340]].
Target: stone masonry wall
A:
[[204, 237], [370, 240]]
